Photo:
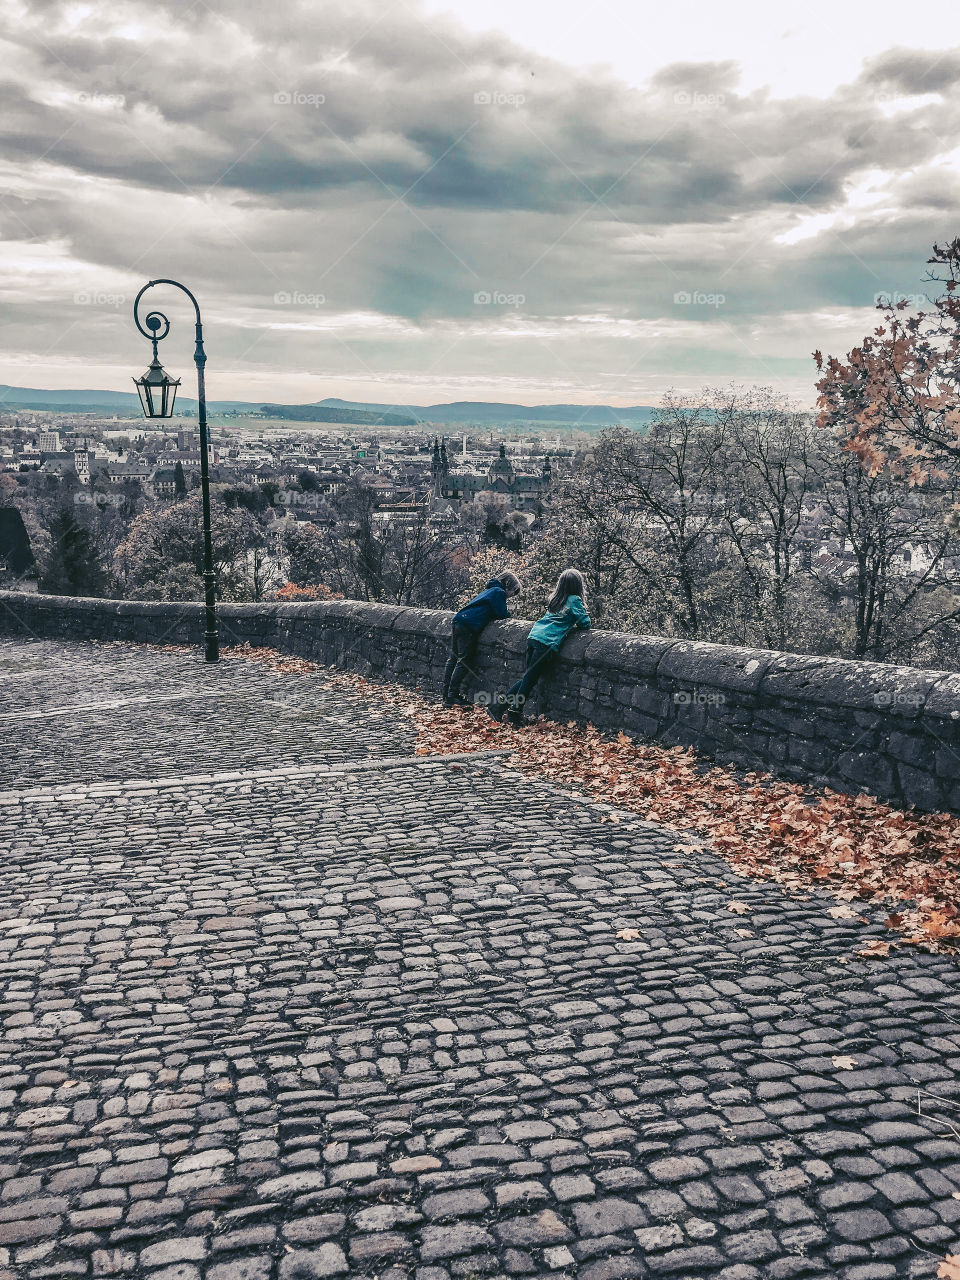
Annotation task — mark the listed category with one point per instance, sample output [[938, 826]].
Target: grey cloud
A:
[[913, 71], [401, 195]]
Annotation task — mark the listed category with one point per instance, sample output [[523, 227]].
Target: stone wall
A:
[[890, 731]]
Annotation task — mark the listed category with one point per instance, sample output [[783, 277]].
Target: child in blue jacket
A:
[[491, 603], [565, 611]]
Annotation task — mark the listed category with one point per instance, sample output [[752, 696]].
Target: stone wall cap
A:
[[944, 700], [171, 609], [33, 599], [431, 622], [718, 665], [250, 609], [862, 685], [632, 655]]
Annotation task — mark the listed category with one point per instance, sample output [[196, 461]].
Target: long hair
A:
[[570, 583]]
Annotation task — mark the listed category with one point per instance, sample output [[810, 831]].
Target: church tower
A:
[[440, 466]]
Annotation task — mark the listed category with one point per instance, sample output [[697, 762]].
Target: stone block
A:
[[866, 686], [716, 666], [636, 656], [921, 788]]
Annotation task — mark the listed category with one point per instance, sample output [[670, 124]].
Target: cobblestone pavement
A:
[[144, 719], [355, 1015]]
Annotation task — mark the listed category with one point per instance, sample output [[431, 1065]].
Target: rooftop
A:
[[285, 1000]]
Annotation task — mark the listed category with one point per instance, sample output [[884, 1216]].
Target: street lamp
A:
[[157, 391]]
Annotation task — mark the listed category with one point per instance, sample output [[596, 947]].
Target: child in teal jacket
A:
[[565, 611]]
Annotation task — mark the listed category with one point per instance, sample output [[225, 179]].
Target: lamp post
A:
[[157, 392]]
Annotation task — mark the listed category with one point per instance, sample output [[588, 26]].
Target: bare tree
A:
[[659, 498], [396, 557], [772, 456], [899, 542]]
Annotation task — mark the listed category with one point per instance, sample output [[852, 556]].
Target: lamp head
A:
[[157, 390]]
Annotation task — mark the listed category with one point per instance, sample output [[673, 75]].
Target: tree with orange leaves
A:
[[896, 397]]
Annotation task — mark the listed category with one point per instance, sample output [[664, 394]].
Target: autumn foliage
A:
[[292, 594], [897, 395]]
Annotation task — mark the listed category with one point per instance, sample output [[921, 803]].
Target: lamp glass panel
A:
[[144, 397]]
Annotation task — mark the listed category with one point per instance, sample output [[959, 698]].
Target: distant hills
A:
[[105, 401], [492, 413], [31, 398], [465, 413]]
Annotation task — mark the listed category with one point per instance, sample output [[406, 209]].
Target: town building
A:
[[501, 483]]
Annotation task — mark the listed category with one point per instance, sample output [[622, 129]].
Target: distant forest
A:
[[323, 413]]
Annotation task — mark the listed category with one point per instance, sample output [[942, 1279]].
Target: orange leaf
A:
[[939, 925], [875, 948]]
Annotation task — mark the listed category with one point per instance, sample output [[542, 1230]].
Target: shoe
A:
[[448, 703], [515, 720], [495, 713]]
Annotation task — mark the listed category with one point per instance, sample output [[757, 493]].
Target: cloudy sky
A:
[[420, 200]]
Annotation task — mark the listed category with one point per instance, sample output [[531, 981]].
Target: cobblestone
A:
[[342, 1012]]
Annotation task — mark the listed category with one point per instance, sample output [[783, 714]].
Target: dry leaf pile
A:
[[855, 847], [281, 664]]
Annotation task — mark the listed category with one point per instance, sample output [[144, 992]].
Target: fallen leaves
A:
[[843, 1062], [860, 850], [281, 664], [741, 908], [629, 935], [874, 949], [940, 925], [949, 1268]]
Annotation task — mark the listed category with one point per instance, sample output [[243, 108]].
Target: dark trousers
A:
[[540, 660], [463, 648]]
